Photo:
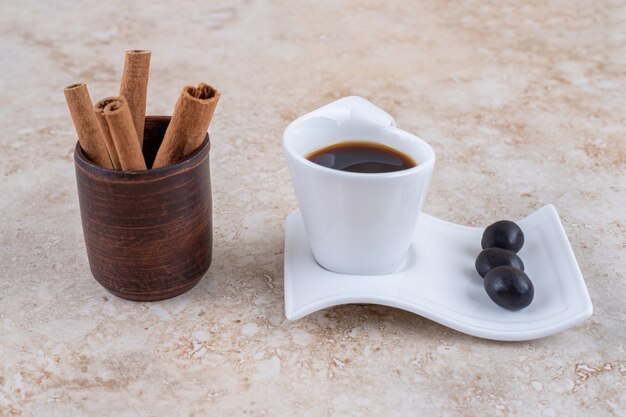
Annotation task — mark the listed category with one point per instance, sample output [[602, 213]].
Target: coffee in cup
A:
[[364, 157]]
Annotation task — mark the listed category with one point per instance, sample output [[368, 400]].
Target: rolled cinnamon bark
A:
[[120, 121], [106, 133], [189, 124], [134, 87], [89, 135]]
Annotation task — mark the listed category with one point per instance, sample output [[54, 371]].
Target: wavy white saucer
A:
[[440, 282]]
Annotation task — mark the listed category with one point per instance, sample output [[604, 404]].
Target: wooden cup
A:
[[149, 234]]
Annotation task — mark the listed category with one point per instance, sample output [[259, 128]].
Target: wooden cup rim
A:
[[150, 174]]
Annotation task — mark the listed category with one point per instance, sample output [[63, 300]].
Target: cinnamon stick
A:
[[124, 134], [134, 87], [189, 124], [106, 133], [89, 135]]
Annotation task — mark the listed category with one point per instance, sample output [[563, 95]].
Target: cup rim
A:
[[192, 160], [421, 166]]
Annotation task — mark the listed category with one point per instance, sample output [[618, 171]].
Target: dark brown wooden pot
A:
[[149, 234]]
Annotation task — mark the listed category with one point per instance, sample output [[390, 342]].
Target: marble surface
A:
[[523, 102]]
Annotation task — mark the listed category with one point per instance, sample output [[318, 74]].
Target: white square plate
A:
[[440, 282]]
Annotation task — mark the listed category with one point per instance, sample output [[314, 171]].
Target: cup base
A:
[[396, 267], [156, 296]]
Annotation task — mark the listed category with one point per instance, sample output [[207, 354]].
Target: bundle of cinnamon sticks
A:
[[111, 132]]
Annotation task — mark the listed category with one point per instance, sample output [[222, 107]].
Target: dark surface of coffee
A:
[[365, 157]]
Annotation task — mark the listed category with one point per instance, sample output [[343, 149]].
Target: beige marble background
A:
[[524, 103]]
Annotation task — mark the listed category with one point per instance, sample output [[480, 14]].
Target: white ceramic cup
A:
[[357, 223]]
